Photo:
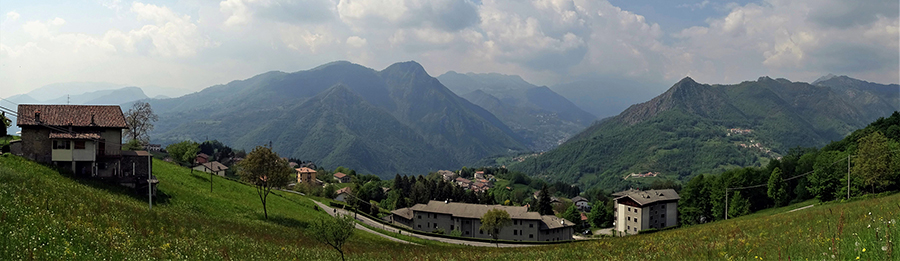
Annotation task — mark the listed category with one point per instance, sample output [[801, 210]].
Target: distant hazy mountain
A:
[[605, 96], [697, 128], [539, 115], [398, 120]]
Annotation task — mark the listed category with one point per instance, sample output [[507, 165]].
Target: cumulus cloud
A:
[[800, 40], [12, 16], [446, 15], [243, 12]]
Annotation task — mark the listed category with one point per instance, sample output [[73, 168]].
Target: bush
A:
[[456, 233], [439, 231]]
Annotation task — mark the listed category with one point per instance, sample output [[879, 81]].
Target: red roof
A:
[[105, 116], [339, 175]]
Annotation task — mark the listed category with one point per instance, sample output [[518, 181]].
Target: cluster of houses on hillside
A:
[[85, 139], [642, 175]]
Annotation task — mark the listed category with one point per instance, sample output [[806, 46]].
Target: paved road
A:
[[802, 208], [390, 229], [334, 212]]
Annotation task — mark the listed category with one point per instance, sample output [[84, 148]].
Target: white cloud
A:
[[788, 39], [446, 15], [356, 41], [12, 16]]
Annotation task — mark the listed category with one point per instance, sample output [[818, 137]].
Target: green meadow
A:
[[47, 215]]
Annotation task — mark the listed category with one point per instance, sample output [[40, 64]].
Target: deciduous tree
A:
[[493, 221], [265, 170], [184, 152], [873, 163], [4, 124], [777, 188], [333, 232], [140, 120]]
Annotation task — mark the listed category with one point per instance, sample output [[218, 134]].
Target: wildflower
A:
[[864, 249], [884, 248], [857, 258]]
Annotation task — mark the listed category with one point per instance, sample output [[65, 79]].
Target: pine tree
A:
[[544, 207]]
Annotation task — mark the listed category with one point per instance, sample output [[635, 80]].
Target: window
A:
[[451, 227], [467, 232], [635, 229], [480, 232], [635, 210], [515, 232], [435, 225], [530, 235], [420, 216], [629, 209], [629, 227], [629, 218], [468, 222], [60, 144], [420, 226], [79, 144], [530, 225], [663, 216]]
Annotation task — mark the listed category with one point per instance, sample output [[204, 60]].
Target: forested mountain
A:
[[398, 120], [537, 114], [697, 128]]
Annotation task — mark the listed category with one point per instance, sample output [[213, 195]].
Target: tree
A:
[[824, 182], [140, 120], [738, 206], [265, 170], [132, 145], [543, 206], [572, 214], [184, 152], [777, 189], [600, 215], [694, 207], [873, 163], [4, 124], [333, 232], [493, 221]]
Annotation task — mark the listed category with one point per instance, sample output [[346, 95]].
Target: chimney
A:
[[92, 120], [37, 116]]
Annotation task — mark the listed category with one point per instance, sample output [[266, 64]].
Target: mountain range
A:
[[397, 120], [537, 114], [695, 128]]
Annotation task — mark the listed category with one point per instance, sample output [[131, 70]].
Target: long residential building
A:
[[449, 216], [638, 210]]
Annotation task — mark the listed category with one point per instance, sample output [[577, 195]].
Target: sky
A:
[[193, 44]]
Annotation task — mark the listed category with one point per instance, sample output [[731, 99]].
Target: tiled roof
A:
[[650, 196], [578, 198], [214, 166], [403, 212], [106, 116], [339, 175], [305, 170], [467, 210], [75, 135], [343, 190]]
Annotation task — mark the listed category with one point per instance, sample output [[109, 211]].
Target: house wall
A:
[[36, 144], [628, 217], [89, 153], [113, 141], [136, 165], [518, 229]]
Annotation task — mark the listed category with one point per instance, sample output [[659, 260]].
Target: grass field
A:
[[46, 215]]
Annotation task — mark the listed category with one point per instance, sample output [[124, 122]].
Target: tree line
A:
[[865, 162]]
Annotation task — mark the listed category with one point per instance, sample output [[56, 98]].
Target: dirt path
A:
[[801, 208]]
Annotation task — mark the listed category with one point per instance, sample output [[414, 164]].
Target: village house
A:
[[201, 158], [213, 167], [342, 178], [638, 210], [342, 194], [446, 174], [463, 182], [581, 203], [86, 139], [466, 218], [306, 176], [479, 175]]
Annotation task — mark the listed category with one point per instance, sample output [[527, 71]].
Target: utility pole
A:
[[848, 176], [726, 203], [149, 180]]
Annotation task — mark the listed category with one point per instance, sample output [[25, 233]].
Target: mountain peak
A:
[[686, 80], [408, 67]]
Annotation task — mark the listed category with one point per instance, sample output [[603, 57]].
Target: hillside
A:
[[46, 215], [543, 118], [398, 120], [697, 128]]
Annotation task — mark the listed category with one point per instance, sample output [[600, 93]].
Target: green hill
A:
[[698, 128], [425, 126], [45, 215]]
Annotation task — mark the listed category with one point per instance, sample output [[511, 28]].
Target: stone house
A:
[[449, 216], [638, 210], [86, 139]]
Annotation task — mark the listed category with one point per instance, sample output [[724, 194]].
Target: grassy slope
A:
[[47, 216]]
